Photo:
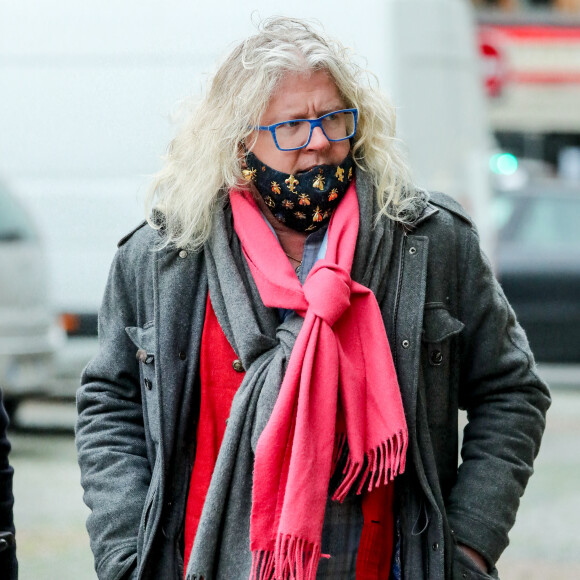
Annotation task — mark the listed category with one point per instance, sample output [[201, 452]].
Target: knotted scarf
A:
[[341, 354], [221, 550]]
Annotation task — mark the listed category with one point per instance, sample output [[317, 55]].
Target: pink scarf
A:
[[341, 362]]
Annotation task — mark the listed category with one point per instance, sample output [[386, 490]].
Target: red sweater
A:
[[219, 382]]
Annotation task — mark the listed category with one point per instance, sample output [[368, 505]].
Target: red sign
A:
[[559, 46], [493, 62]]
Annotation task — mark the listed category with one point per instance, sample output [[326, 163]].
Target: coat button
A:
[[406, 344], [143, 357], [412, 251], [148, 384], [435, 546], [183, 254], [182, 355], [436, 358], [238, 366]]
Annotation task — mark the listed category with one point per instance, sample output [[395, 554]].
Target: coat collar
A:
[[428, 211]]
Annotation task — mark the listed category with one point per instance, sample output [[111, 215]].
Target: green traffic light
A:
[[503, 163]]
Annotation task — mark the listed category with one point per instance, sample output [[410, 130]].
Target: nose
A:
[[318, 140]]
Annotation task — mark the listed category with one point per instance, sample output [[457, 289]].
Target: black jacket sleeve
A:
[[506, 404], [8, 563]]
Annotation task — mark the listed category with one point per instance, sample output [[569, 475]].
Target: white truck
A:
[[87, 92]]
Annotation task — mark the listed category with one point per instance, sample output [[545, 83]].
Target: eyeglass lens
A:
[[336, 126]]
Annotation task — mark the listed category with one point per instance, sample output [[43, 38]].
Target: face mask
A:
[[305, 201]]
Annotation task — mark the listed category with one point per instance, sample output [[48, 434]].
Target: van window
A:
[[15, 225], [550, 221]]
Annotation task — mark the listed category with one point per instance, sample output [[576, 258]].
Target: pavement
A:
[[50, 514], [545, 541]]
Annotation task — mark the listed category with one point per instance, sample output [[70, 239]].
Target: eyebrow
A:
[[318, 113]]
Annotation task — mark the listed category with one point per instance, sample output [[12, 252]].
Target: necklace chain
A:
[[297, 269]]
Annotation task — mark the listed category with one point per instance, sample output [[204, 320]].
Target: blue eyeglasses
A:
[[296, 133]]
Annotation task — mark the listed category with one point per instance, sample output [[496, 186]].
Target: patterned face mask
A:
[[305, 201]]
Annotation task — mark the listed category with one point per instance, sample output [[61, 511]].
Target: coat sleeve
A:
[[506, 403], [8, 563], [110, 433]]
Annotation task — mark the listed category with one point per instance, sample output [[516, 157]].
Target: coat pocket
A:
[[438, 324], [144, 339], [437, 353], [150, 508], [464, 568]]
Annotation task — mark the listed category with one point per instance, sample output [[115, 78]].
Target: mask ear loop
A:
[[243, 148], [243, 152]]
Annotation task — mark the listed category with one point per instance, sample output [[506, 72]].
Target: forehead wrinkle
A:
[[282, 101], [317, 112]]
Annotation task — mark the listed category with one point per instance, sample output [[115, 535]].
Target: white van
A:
[[28, 336], [88, 90]]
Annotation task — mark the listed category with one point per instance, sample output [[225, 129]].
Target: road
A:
[[50, 515], [49, 512]]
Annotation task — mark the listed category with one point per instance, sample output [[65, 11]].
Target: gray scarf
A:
[[221, 550]]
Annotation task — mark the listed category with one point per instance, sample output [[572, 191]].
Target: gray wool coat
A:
[[455, 342]]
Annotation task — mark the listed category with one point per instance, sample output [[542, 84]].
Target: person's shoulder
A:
[[135, 248], [434, 209], [129, 235], [145, 236], [147, 233], [446, 223], [443, 201]]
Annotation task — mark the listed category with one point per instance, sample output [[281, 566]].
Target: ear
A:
[[242, 152]]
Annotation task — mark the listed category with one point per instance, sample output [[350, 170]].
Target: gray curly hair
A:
[[204, 159]]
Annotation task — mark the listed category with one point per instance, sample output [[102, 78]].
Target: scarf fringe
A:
[[262, 565], [382, 465], [338, 449], [293, 559]]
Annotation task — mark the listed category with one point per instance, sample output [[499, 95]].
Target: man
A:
[[287, 341]]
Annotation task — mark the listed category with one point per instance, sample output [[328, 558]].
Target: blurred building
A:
[[527, 5], [531, 59]]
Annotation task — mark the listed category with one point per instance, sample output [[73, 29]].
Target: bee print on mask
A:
[[304, 200], [318, 181], [249, 174]]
